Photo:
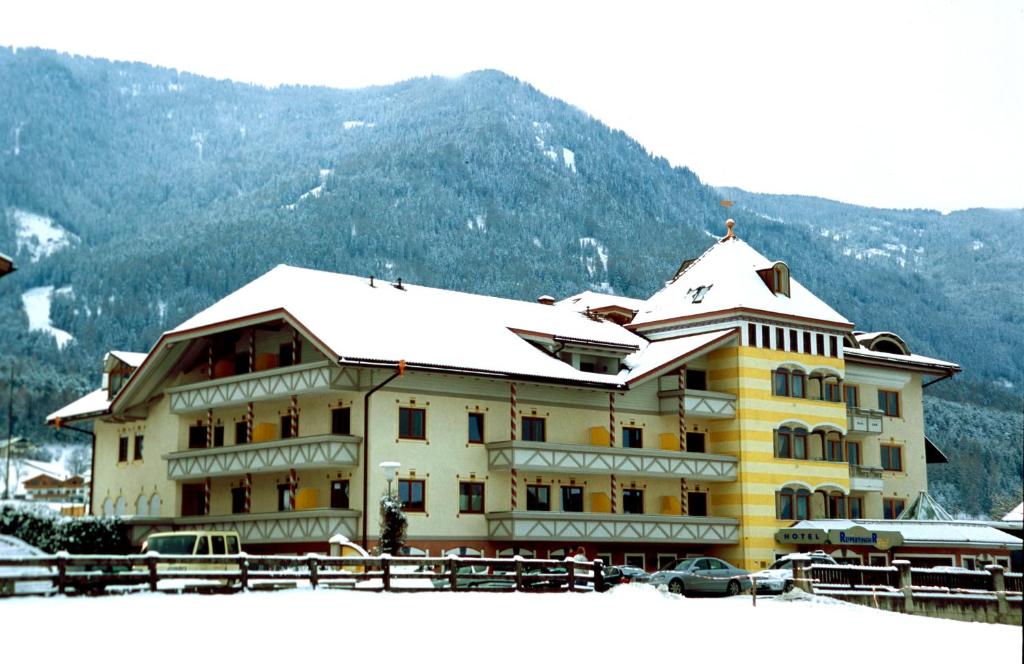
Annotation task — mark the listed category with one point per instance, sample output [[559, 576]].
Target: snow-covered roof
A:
[[912, 360], [426, 327], [94, 403], [591, 300], [725, 278], [925, 508], [1016, 514], [131, 359], [925, 533]]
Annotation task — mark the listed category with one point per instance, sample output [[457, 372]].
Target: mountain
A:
[[133, 196]]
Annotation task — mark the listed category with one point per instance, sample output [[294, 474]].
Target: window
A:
[[892, 507], [122, 449], [217, 545], [892, 457], [807, 343], [471, 497], [766, 337], [238, 500], [241, 432], [855, 507], [538, 498], [695, 442], [794, 504], [889, 403], [139, 439], [853, 452], [193, 500], [632, 437], [833, 346], [751, 334], [635, 560], [632, 501], [202, 546], [836, 506], [696, 379], [241, 363], [284, 497], [665, 559], [851, 396], [572, 499], [286, 425], [830, 391], [780, 383], [218, 436], [820, 344], [780, 339], [792, 341], [798, 380], [834, 449], [339, 494], [697, 503], [412, 423], [533, 429], [476, 427], [196, 436], [413, 494], [791, 443], [341, 421]]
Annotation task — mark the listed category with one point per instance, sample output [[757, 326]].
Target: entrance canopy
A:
[[885, 535]]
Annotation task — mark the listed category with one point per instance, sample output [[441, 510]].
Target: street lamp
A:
[[390, 470]]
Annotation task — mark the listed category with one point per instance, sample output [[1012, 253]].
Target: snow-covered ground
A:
[[39, 235], [37, 303], [630, 623]]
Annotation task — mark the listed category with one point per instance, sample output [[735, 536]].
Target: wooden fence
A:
[[219, 573]]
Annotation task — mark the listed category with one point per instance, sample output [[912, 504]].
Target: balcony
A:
[[315, 525], [259, 386], [863, 420], [699, 403], [594, 460], [597, 527], [865, 478], [324, 450]]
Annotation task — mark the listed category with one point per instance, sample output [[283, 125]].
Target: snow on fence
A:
[[923, 579], [228, 573]]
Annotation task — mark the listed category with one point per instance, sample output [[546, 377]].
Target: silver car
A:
[[702, 576]]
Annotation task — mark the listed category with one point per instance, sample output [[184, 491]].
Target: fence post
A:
[[999, 585], [243, 571], [598, 575], [385, 567], [906, 584], [570, 575], [62, 572], [800, 579], [314, 572], [151, 566], [753, 588], [453, 574], [519, 574]]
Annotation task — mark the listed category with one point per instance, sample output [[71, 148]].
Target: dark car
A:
[[618, 574]]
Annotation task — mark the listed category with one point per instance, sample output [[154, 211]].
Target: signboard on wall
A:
[[883, 540], [801, 536]]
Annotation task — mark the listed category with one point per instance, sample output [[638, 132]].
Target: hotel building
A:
[[728, 406]]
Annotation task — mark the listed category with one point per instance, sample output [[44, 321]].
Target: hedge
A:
[[43, 528]]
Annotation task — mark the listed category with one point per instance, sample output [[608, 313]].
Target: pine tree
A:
[[392, 525]]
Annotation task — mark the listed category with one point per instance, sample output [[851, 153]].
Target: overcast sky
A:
[[894, 104]]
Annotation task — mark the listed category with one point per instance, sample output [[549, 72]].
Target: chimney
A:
[[546, 299], [399, 284]]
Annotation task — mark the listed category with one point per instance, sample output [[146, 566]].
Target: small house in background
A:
[[48, 488], [6, 265]]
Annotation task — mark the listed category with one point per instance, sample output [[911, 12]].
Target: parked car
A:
[[618, 574], [12, 547], [779, 577], [193, 543], [702, 576]]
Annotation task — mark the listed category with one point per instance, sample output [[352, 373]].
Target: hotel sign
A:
[[883, 540], [801, 536]]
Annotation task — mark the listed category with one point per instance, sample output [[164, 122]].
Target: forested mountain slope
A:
[[132, 196]]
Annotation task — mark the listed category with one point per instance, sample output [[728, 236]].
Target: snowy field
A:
[[630, 623]]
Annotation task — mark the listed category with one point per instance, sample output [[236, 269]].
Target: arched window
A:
[[799, 383], [833, 446], [790, 443], [120, 506], [142, 506], [780, 383], [793, 504], [154, 505], [835, 505], [108, 507]]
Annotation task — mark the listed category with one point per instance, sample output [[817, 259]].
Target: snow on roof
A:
[[911, 360], [726, 275], [94, 403], [1016, 514], [923, 533], [133, 360], [925, 508], [590, 299], [423, 326], [661, 354]]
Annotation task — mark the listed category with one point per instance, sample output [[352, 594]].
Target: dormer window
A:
[[776, 278]]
